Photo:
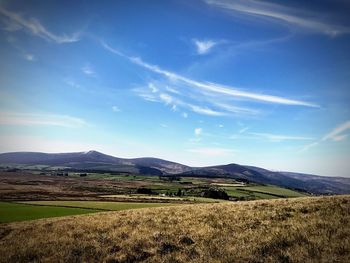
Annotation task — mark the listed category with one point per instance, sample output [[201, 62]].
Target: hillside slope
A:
[[96, 161], [289, 230], [298, 181], [306, 182]]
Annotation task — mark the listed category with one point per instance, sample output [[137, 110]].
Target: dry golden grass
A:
[[285, 230]]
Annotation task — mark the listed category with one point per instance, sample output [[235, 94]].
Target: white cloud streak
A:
[[172, 90], [340, 138], [72, 83], [115, 109], [167, 99], [29, 57], [32, 119], [198, 131], [235, 109], [336, 135], [88, 70], [295, 17], [243, 130], [204, 46], [15, 21], [152, 88], [206, 111], [309, 146], [279, 138], [212, 87]]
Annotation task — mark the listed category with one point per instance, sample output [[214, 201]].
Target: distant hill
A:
[[297, 181], [93, 160], [96, 161]]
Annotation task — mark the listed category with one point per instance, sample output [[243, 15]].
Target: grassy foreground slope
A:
[[281, 230]]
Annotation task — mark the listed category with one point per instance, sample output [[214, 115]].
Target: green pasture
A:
[[10, 212], [98, 205], [30, 210], [261, 192]]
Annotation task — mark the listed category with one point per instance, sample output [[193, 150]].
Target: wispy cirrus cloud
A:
[[206, 111], [15, 22], [212, 88], [279, 137], [167, 99], [204, 46], [88, 70], [221, 89], [243, 134], [154, 94], [235, 109], [311, 21], [243, 130], [72, 83], [29, 57], [309, 146], [33, 119], [115, 109], [172, 90], [198, 131], [337, 134]]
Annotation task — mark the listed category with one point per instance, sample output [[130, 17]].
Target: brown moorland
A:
[[286, 230]]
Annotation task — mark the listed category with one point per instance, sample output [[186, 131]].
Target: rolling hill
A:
[[96, 161], [93, 160], [299, 181], [312, 229]]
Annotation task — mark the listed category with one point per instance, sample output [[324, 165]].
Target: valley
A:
[[32, 185], [106, 192]]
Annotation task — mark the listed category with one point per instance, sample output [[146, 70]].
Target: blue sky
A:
[[198, 82]]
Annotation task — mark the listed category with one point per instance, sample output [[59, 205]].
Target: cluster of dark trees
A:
[[215, 193], [145, 191], [170, 178], [59, 174]]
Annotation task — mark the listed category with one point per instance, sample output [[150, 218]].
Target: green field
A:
[[98, 205], [10, 212], [261, 192], [196, 199], [30, 210], [274, 190]]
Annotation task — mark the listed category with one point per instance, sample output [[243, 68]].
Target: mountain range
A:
[[96, 161]]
